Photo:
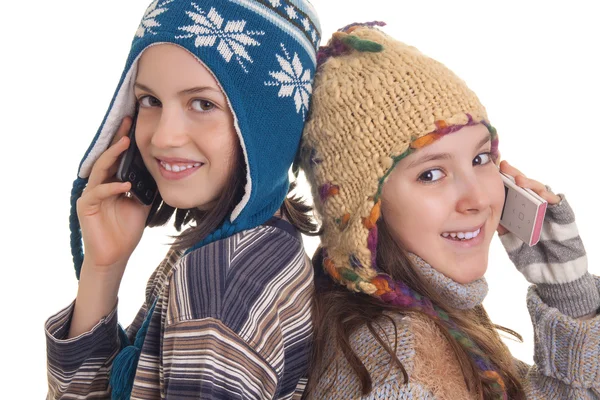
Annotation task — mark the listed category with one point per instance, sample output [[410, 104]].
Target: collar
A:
[[457, 295]]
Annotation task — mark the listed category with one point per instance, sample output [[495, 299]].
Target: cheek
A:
[[145, 126], [495, 187], [220, 149], [412, 216]]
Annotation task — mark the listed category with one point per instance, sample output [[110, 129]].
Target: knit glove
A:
[[557, 264]]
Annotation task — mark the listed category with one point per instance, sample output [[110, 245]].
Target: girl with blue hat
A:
[[218, 91]]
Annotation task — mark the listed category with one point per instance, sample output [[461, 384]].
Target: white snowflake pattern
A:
[[275, 3], [233, 40], [306, 24], [293, 80], [149, 19], [291, 12]]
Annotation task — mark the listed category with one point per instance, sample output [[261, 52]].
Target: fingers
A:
[[101, 171], [532, 184], [501, 230], [92, 199], [522, 181], [106, 165], [123, 130], [509, 169], [538, 188]]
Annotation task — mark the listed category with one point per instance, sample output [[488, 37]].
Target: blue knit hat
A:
[[263, 54]]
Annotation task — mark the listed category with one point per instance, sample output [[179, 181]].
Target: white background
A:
[[535, 66]]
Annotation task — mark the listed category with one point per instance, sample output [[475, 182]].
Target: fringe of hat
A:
[[372, 280]]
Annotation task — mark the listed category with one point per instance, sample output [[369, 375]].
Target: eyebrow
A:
[[193, 90], [443, 156]]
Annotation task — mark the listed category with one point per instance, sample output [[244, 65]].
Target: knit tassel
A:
[[362, 45], [125, 363], [400, 294], [76, 243], [342, 43], [123, 373]]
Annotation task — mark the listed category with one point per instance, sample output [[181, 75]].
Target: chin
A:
[[469, 274], [183, 203], [465, 280], [177, 202]]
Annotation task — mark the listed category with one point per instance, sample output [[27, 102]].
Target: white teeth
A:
[[178, 168], [462, 235]]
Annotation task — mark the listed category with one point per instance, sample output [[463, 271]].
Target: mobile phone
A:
[[523, 212], [132, 169]]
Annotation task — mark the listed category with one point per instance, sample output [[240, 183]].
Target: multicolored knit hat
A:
[[375, 101], [263, 54]]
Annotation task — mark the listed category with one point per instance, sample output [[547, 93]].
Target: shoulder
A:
[[396, 332], [340, 380], [251, 293], [276, 242], [424, 352], [267, 249], [253, 271], [161, 274], [416, 340]]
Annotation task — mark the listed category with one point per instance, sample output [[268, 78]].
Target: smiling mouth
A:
[[461, 236], [179, 167]]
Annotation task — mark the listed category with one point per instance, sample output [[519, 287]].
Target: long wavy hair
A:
[[338, 312]]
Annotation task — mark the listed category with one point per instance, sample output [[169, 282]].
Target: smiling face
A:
[[444, 202], [185, 129]]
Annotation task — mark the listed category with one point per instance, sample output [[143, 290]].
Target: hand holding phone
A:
[[132, 169], [523, 212]]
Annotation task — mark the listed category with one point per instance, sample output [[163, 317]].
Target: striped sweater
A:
[[232, 321], [567, 349]]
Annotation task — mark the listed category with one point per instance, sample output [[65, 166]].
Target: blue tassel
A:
[[76, 243], [125, 363], [123, 373]]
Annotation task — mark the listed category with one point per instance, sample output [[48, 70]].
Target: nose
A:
[[472, 194], [170, 130]]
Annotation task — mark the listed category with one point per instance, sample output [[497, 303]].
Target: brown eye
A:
[[149, 101], [482, 159], [431, 175], [202, 105]]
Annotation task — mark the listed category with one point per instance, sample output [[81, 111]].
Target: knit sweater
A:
[[232, 321], [567, 349]]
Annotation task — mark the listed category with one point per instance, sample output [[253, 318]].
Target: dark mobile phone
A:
[[132, 169]]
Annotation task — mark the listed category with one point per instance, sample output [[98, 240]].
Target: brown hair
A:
[[295, 210], [338, 312]]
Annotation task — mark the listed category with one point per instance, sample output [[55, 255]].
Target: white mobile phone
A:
[[523, 212]]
